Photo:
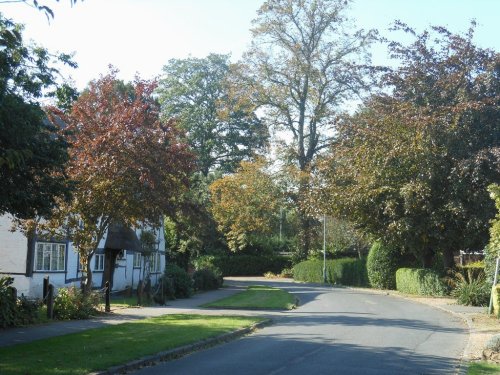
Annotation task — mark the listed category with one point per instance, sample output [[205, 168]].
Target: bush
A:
[[72, 303], [381, 265], [206, 279], [346, 271], [420, 281], [182, 283], [8, 305], [15, 312], [243, 265], [470, 289], [493, 344]]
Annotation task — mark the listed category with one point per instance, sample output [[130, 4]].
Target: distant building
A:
[[28, 261]]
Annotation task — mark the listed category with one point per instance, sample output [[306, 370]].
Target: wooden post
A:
[[50, 302], [139, 293], [107, 291], [45, 289]]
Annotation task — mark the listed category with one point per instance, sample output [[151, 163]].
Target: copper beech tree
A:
[[126, 165]]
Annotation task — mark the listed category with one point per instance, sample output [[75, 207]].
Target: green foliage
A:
[[72, 303], [492, 250], [207, 279], [32, 152], [7, 302], [14, 311], [222, 130], [245, 204], [346, 271], [181, 282], [411, 167], [470, 287], [420, 281], [382, 264], [244, 265]]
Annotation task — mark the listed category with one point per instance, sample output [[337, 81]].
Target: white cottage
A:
[[29, 261]]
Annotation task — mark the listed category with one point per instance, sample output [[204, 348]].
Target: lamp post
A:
[[324, 249]]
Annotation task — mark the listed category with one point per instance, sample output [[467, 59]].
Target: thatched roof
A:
[[122, 238]]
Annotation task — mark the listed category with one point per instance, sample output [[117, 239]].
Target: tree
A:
[[127, 166], [32, 153], [492, 250], [245, 204], [412, 166], [303, 63], [37, 5], [222, 131]]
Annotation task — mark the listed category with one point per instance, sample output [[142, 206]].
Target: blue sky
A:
[[142, 35]]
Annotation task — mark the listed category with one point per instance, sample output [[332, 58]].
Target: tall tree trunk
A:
[[109, 267], [305, 221], [87, 282], [427, 257], [449, 261]]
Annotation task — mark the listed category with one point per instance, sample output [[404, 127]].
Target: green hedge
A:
[[243, 265], [345, 271], [381, 265], [420, 281]]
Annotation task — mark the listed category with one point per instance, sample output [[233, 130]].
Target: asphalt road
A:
[[337, 331]]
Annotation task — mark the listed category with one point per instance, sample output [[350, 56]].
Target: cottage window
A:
[[99, 262], [50, 256], [137, 260], [155, 262]]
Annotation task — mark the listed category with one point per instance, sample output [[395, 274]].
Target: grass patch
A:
[[98, 349], [483, 368], [257, 297], [121, 301]]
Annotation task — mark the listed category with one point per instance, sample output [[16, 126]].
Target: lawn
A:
[[121, 301], [483, 368], [257, 297], [101, 348]]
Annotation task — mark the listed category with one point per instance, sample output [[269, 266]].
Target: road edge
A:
[[181, 351]]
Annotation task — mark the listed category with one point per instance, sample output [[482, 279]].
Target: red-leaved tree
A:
[[126, 165]]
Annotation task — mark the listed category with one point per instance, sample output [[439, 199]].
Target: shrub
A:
[[420, 281], [206, 279], [493, 344], [8, 310], [346, 271], [382, 264], [182, 283], [72, 303], [15, 311], [471, 290], [243, 265]]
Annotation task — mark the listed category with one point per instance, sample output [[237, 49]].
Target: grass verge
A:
[[99, 349], [483, 368], [257, 297]]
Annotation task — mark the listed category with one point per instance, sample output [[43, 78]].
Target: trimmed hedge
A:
[[382, 264], [181, 284], [421, 281], [207, 279], [243, 265], [345, 271]]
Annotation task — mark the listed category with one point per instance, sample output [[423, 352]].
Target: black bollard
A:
[[50, 302], [108, 305]]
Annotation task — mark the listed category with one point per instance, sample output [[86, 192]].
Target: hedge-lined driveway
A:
[[340, 331]]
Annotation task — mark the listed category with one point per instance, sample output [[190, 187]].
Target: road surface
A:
[[337, 331]]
